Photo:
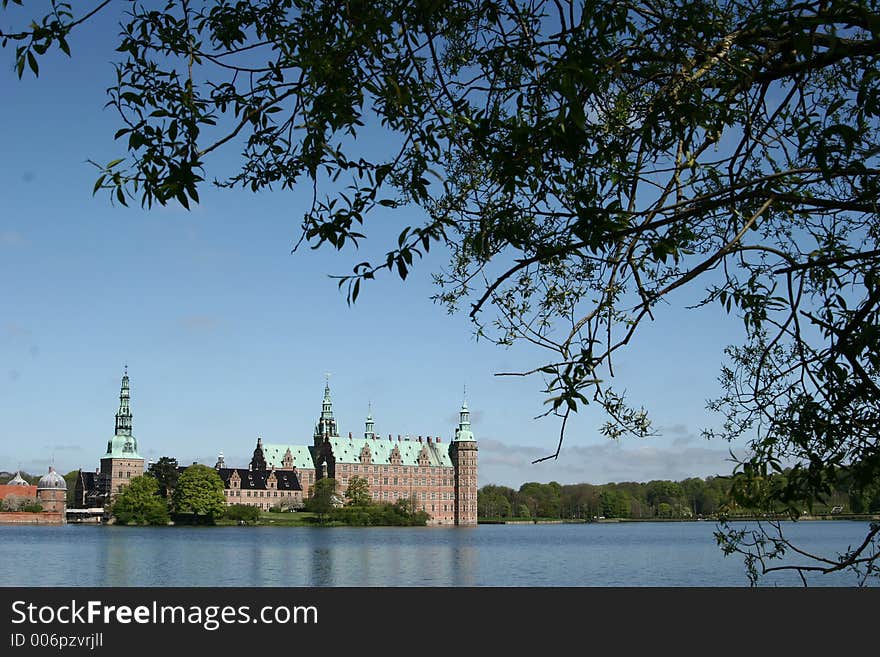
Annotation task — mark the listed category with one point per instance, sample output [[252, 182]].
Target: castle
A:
[[50, 493], [119, 464], [441, 480]]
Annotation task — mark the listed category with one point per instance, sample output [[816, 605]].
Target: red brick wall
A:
[[31, 518], [121, 472], [433, 487], [464, 457], [52, 500], [29, 492], [263, 499]]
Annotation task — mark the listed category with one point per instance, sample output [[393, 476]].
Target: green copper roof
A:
[[122, 447], [348, 450], [464, 433], [274, 455]]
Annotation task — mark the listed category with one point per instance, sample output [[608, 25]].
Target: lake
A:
[[600, 554]]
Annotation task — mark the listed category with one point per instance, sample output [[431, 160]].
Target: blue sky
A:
[[228, 336]]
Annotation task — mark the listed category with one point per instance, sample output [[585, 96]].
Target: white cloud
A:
[[611, 461]]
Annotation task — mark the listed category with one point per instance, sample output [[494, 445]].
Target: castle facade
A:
[[440, 479]]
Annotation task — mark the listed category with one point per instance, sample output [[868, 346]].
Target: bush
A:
[[17, 503], [242, 512], [35, 507], [384, 514]]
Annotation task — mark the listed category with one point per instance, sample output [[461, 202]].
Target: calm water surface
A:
[[614, 554]]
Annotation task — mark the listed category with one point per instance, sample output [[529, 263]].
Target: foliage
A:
[[34, 507], [581, 162], [401, 513], [714, 497], [6, 477], [16, 503], [358, 492], [323, 498], [494, 502], [199, 494], [70, 479], [165, 471], [139, 503], [242, 512]]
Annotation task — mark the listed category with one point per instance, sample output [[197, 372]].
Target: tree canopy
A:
[[358, 492], [139, 503], [580, 161], [323, 498], [199, 493], [166, 473]]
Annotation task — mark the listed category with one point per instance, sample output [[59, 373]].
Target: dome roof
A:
[[17, 480], [52, 480], [122, 446]]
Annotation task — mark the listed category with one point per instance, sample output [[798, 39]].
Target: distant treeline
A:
[[688, 498]]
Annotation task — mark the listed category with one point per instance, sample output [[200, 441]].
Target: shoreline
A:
[[862, 517]]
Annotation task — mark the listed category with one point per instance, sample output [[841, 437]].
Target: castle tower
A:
[[258, 461], [122, 461], [52, 493], [369, 425], [463, 453], [322, 454], [326, 427]]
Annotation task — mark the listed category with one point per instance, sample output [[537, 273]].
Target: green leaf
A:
[[32, 62]]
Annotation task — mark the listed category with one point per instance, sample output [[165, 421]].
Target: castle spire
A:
[[123, 416], [369, 431], [123, 444], [463, 432], [326, 426]]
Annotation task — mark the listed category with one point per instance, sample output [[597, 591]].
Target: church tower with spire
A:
[[326, 426], [463, 453], [122, 461], [325, 431], [369, 425]]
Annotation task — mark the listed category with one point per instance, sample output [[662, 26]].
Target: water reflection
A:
[[637, 554]]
